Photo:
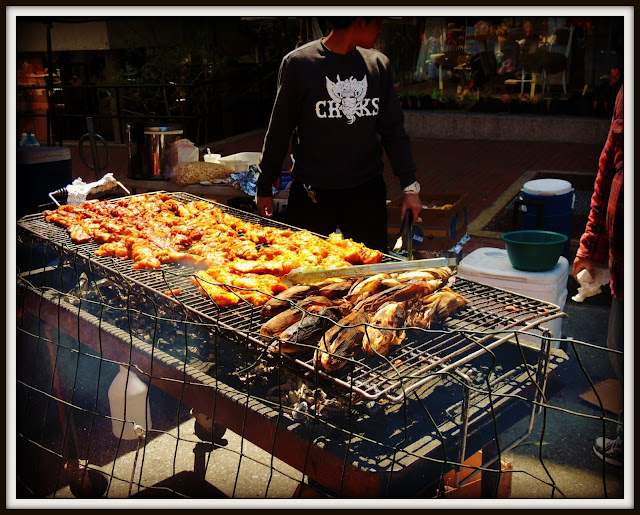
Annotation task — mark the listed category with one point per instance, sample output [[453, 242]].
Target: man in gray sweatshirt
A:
[[336, 97]]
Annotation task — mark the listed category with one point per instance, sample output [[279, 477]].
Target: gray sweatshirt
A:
[[342, 111]]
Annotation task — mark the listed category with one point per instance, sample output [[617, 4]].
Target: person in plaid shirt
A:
[[602, 244]]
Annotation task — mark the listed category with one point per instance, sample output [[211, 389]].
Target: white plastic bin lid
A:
[[493, 264], [244, 157], [547, 187], [241, 161]]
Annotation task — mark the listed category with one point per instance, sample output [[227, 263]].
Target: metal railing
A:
[[128, 102]]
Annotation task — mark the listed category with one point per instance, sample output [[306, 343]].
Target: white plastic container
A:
[[241, 161], [491, 266], [547, 187], [211, 158], [128, 400]]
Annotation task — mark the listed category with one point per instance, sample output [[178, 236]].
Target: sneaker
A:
[[609, 450]]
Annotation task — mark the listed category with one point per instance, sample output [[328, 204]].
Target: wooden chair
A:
[[531, 64], [545, 60], [558, 57], [456, 60], [484, 69]]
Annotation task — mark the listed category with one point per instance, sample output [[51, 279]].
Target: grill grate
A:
[[490, 318]]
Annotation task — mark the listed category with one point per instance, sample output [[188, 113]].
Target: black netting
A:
[[230, 418]]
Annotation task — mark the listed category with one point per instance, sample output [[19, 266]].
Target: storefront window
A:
[[462, 63], [476, 63]]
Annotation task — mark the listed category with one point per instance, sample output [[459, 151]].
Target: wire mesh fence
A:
[[227, 417]]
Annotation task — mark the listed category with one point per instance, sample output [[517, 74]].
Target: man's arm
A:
[[397, 145], [283, 121], [594, 243]]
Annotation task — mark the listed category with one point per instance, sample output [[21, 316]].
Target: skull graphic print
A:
[[348, 99]]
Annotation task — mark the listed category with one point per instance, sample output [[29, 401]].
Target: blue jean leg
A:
[[615, 342]]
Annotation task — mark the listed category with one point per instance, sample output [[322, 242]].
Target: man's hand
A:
[[265, 206], [413, 203], [580, 263]]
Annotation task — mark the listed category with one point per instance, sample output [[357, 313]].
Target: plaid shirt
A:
[[603, 236]]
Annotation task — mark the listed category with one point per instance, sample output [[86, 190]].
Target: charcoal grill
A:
[[488, 321], [436, 367]]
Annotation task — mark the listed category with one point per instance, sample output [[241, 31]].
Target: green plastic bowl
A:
[[534, 251]]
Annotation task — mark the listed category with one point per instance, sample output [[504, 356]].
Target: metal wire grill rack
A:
[[392, 427], [488, 321]]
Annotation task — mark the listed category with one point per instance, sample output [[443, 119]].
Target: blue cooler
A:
[[547, 205]]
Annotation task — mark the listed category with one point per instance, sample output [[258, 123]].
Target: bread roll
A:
[[196, 171]]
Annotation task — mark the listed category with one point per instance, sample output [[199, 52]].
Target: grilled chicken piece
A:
[[378, 340], [250, 287], [79, 233], [435, 307], [143, 255], [353, 252], [153, 230], [218, 294], [341, 341], [120, 248], [174, 256], [273, 327]]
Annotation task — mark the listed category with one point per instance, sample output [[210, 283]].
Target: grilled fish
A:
[[400, 293], [303, 331], [378, 340], [340, 341], [391, 282], [367, 287], [335, 289], [344, 305], [435, 307], [441, 272], [280, 302], [274, 326]]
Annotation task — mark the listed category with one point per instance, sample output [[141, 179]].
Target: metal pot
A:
[[135, 147], [148, 145]]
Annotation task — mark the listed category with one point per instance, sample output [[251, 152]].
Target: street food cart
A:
[[393, 425]]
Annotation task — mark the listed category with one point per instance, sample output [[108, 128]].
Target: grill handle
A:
[[519, 203]]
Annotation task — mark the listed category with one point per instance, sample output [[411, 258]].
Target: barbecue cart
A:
[[400, 425]]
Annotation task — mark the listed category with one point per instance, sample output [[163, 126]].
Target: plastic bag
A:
[[248, 181], [180, 151], [590, 286]]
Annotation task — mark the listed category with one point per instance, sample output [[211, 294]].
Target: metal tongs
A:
[[312, 275], [405, 234]]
